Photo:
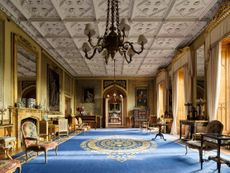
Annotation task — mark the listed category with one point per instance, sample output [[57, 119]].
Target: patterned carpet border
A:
[[119, 147]]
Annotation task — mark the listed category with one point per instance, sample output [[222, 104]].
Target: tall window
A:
[[223, 113], [161, 99], [181, 97]]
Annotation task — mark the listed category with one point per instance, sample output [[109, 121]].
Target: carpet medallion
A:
[[120, 148]]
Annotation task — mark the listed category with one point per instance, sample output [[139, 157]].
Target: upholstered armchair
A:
[[80, 126], [213, 127], [33, 142], [63, 127]]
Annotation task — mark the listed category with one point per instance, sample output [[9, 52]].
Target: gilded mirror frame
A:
[[18, 40], [198, 82]]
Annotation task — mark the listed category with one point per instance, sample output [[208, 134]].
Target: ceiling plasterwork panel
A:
[[100, 7], [38, 9], [176, 28], [151, 8], [190, 8], [61, 42], [51, 29], [58, 26], [160, 53], [146, 28], [76, 29], [74, 8], [166, 43]]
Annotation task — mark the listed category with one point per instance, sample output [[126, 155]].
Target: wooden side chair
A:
[[33, 142], [213, 127]]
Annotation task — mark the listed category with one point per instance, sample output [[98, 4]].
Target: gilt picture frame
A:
[[88, 95], [141, 97], [53, 89]]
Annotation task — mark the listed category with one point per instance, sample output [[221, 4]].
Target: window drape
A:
[[184, 62], [174, 102], [213, 80]]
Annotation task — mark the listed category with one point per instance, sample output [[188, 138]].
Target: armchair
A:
[[213, 127], [63, 127], [33, 142], [79, 125]]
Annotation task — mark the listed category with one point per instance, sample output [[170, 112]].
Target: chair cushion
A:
[[43, 146], [9, 166], [194, 144]]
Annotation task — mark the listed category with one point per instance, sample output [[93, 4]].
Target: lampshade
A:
[[142, 39], [124, 25], [89, 29], [86, 47]]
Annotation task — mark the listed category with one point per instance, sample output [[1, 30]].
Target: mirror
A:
[[200, 80], [25, 74]]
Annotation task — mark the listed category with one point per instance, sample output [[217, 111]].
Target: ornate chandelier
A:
[[113, 39]]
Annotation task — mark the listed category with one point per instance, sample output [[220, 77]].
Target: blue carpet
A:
[[162, 157]]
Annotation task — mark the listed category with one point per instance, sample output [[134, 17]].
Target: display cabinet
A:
[[115, 116], [140, 116]]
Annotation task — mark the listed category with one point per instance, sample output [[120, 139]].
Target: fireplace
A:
[[20, 115], [31, 119]]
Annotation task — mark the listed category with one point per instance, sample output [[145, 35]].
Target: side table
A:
[[160, 125], [217, 141]]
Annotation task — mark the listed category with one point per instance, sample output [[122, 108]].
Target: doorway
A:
[[115, 107]]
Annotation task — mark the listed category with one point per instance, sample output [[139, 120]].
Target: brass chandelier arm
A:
[[132, 47], [91, 43], [90, 57], [127, 60]]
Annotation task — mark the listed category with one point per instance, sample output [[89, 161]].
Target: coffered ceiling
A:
[[58, 26]]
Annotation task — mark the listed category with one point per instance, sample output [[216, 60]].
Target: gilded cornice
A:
[[25, 43], [179, 54], [222, 13], [162, 70]]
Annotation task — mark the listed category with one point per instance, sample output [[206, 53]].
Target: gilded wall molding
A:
[[2, 64], [222, 13]]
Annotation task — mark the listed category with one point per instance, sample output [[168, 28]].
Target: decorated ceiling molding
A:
[[58, 26]]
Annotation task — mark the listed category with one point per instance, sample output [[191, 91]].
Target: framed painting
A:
[[88, 95], [141, 97], [53, 89]]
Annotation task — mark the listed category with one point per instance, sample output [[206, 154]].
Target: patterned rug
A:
[[120, 148], [107, 151]]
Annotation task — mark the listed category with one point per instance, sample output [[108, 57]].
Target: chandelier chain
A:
[[114, 71], [107, 19], [112, 15], [117, 18]]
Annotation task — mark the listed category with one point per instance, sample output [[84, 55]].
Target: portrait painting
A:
[[88, 95], [53, 89], [141, 97]]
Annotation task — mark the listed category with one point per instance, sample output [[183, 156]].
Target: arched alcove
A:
[[114, 107]]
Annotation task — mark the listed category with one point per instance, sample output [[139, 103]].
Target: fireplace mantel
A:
[[19, 114]]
